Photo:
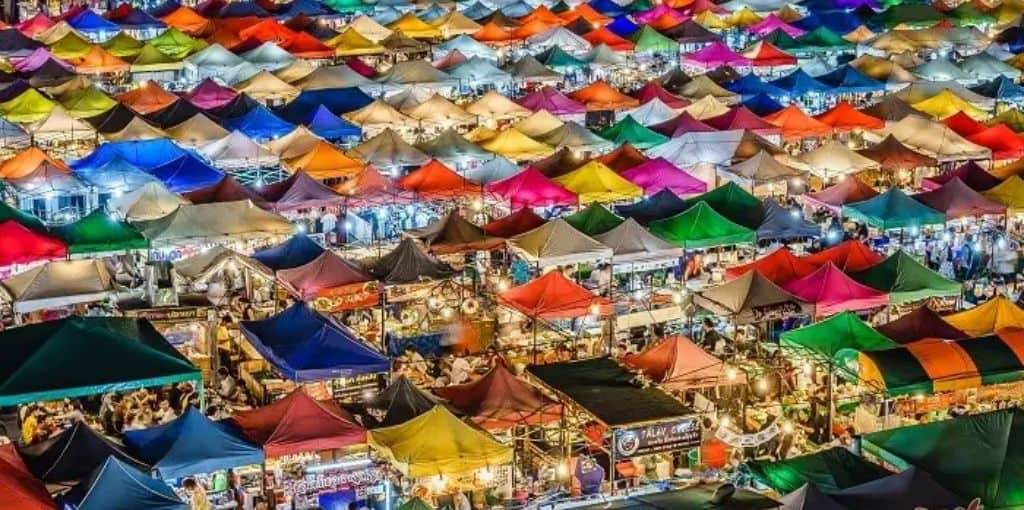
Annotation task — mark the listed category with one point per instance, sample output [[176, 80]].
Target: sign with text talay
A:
[[659, 437]]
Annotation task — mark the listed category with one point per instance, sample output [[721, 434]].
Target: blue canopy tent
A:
[[237, 107], [136, 18], [115, 177], [118, 486], [622, 26], [836, 20], [305, 346], [658, 206], [607, 7], [785, 223], [310, 8], [848, 80], [1002, 89], [73, 454], [751, 85], [186, 173], [260, 124], [164, 8], [93, 25], [338, 101], [298, 250], [240, 10], [762, 104], [799, 84], [477, 11], [331, 127], [192, 444], [145, 154]]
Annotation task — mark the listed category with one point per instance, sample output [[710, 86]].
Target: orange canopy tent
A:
[[532, 28], [434, 180], [189, 21], [267, 29], [324, 161], [99, 60], [600, 96], [850, 256], [795, 124], [26, 161], [542, 14], [678, 364], [491, 32], [585, 11], [299, 424], [623, 158], [766, 54], [148, 97], [500, 400], [370, 188], [780, 266], [844, 117], [553, 296], [306, 46], [608, 38]]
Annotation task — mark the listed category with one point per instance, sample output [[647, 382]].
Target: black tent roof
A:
[[178, 112], [660, 205], [112, 120], [909, 489], [408, 263], [780, 223], [13, 42], [401, 402], [73, 454]]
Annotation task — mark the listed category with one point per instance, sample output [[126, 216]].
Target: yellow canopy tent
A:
[[946, 104], [350, 42], [438, 443], [29, 106], [516, 146], [987, 318], [414, 27], [595, 182], [1009, 193]]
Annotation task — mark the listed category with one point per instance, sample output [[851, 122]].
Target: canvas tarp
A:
[[556, 243], [59, 283], [215, 221], [750, 298]]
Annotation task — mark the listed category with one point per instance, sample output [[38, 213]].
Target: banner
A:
[[656, 438], [347, 297]]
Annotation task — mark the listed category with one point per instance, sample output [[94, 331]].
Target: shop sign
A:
[[775, 312], [409, 292], [311, 484], [656, 438], [171, 314], [738, 440], [347, 297]]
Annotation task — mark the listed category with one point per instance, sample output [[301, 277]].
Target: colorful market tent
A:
[[118, 486], [700, 226], [297, 251], [629, 130], [437, 442], [593, 220], [905, 279], [973, 175], [936, 365], [979, 476], [850, 256], [73, 453], [518, 222], [192, 444], [750, 298], [631, 243], [734, 203], [454, 234], [987, 318], [678, 364], [844, 117], [553, 296], [148, 202], [920, 324], [24, 243], [831, 291], [661, 205], [556, 243], [658, 174], [99, 232], [401, 401], [848, 190], [342, 283], [785, 223], [933, 139], [834, 159], [956, 200], [21, 489], [780, 266], [830, 470], [836, 340], [305, 346], [595, 182], [530, 188], [435, 181], [125, 354], [499, 400], [299, 191], [408, 263], [891, 154], [893, 210], [1009, 193], [299, 424]]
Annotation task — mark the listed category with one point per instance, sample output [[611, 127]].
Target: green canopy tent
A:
[[649, 40], [176, 44], [99, 232], [87, 102], [122, 45], [978, 456], [733, 202], [80, 356], [893, 209], [821, 40], [829, 470], [906, 280], [349, 6], [912, 15], [967, 15], [628, 130], [840, 336], [558, 59], [10, 213], [700, 226], [594, 220]]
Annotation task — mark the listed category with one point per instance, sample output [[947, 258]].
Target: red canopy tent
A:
[[974, 176], [553, 296], [739, 117], [780, 266], [795, 124], [623, 158], [19, 245], [957, 200], [844, 117], [1004, 143], [434, 180], [608, 38], [654, 90], [20, 489], [922, 323], [680, 125], [963, 125], [500, 400], [523, 220], [299, 424], [850, 256], [227, 189], [846, 191], [679, 364], [335, 283], [831, 291]]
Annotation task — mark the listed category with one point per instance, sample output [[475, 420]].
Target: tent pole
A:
[[830, 397], [535, 340]]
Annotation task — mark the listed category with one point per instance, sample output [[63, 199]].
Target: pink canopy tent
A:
[[36, 59], [342, 284], [680, 125], [831, 291], [679, 364], [209, 95], [550, 99], [957, 200], [846, 191], [530, 188], [657, 174], [739, 117], [715, 55], [654, 90], [772, 23], [973, 175], [645, 17]]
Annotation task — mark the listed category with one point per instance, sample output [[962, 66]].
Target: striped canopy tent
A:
[[936, 365]]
